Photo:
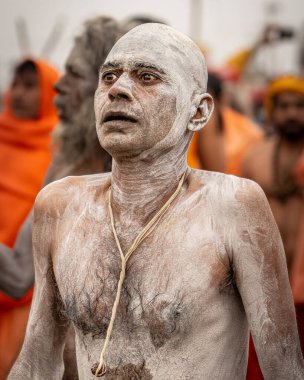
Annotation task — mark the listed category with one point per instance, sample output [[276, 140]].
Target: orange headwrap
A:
[[288, 83], [25, 156]]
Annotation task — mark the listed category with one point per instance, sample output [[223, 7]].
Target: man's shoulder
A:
[[226, 189], [54, 198], [257, 159], [259, 151]]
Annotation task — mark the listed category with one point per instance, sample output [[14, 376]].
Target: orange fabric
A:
[[25, 155], [12, 330], [239, 134], [193, 158]]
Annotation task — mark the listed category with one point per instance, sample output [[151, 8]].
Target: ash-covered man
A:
[[160, 268]]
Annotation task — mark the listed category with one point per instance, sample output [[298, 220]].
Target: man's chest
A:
[[176, 270]]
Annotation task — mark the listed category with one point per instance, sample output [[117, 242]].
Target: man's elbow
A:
[[20, 285]]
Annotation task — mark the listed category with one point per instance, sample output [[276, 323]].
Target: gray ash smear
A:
[[126, 372]]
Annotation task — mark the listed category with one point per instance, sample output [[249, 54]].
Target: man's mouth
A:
[[119, 116]]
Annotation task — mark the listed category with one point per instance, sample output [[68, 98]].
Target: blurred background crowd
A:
[[49, 60]]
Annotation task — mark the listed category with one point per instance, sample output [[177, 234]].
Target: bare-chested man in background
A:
[[213, 266], [271, 163]]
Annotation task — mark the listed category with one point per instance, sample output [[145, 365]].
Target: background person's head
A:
[[285, 107], [76, 134], [157, 76], [25, 91]]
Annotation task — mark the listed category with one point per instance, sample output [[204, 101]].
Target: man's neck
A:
[[140, 188]]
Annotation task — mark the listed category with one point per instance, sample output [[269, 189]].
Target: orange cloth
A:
[[239, 134], [24, 157], [193, 158]]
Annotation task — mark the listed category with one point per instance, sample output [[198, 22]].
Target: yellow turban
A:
[[283, 84]]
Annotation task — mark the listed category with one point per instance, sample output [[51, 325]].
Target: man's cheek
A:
[[98, 106]]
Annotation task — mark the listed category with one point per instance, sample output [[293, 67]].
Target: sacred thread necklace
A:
[[102, 368]]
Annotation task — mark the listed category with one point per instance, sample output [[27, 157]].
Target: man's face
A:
[[135, 105], [76, 85], [25, 95], [288, 115], [136, 101]]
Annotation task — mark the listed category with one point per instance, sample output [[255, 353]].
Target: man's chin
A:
[[292, 134], [119, 149]]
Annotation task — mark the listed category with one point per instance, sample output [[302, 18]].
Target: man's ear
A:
[[201, 112]]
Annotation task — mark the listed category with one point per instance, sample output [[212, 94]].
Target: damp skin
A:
[[212, 268]]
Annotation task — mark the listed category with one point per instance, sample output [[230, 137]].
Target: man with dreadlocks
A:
[[79, 151]]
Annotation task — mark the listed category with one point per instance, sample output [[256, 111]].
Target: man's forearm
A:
[[15, 277], [28, 367], [16, 264]]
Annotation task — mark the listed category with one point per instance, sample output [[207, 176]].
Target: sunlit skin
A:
[[213, 267], [25, 95], [287, 119]]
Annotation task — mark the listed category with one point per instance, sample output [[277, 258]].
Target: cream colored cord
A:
[[101, 369]]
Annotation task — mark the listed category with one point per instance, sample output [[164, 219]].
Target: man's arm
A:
[[261, 276], [41, 354], [16, 264]]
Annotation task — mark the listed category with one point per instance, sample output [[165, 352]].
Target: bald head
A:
[[156, 78], [166, 46]]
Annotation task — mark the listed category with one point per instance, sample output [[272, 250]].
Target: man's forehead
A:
[[289, 96], [163, 47], [144, 54]]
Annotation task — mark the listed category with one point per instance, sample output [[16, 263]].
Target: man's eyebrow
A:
[[143, 65], [135, 66], [110, 65]]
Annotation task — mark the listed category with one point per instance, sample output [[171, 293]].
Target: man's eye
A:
[[75, 74], [109, 77], [147, 77]]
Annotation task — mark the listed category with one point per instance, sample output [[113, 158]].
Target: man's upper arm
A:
[[41, 355], [262, 279]]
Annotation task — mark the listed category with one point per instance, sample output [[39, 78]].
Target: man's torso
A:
[[180, 315]]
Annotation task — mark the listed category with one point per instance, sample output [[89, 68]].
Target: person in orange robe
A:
[[25, 137], [223, 143]]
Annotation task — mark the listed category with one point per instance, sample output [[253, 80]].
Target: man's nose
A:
[[292, 111], [17, 92], [122, 88], [60, 85]]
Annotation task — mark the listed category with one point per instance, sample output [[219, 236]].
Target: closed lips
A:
[[119, 117]]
